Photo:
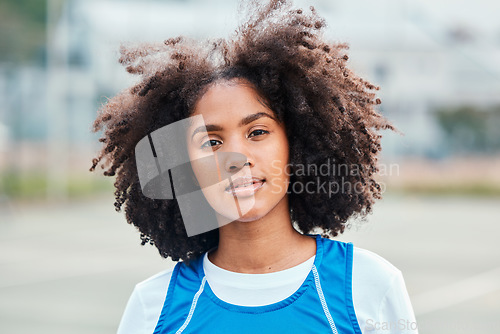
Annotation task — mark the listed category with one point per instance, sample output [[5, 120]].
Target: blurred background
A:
[[68, 261]]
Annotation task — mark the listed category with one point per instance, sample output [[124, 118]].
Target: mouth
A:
[[244, 186]]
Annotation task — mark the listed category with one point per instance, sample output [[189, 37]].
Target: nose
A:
[[235, 162], [236, 156]]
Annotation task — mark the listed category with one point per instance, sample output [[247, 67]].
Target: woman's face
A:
[[249, 147]]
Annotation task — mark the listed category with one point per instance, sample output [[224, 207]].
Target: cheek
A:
[[282, 150], [278, 159], [197, 167], [206, 170], [201, 163]]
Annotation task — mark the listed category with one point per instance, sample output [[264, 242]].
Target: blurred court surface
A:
[[70, 268]]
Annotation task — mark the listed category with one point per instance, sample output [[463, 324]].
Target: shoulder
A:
[[153, 290], [373, 266], [145, 304], [368, 264], [370, 271], [372, 275], [157, 280], [378, 291]]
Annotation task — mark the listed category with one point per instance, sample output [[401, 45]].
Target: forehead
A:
[[230, 99]]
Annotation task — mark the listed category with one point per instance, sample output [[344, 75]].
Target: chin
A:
[[248, 217]]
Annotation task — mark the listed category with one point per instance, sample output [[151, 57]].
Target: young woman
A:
[[293, 132]]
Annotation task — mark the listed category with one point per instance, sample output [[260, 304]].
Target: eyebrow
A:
[[247, 120]]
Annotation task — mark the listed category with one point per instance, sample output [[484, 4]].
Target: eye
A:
[[210, 143], [258, 132]]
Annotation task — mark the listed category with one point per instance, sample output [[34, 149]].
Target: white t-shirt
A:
[[380, 298]]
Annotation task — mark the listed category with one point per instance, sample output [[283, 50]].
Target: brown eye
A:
[[211, 143], [258, 132]]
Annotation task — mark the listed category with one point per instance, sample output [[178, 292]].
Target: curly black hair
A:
[[329, 115]]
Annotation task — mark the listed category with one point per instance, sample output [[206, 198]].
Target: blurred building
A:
[[422, 55]]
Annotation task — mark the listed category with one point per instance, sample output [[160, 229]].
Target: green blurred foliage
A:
[[470, 129], [33, 184], [474, 189]]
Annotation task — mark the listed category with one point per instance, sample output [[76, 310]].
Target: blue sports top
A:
[[322, 304]]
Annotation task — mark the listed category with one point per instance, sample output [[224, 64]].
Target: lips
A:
[[244, 185]]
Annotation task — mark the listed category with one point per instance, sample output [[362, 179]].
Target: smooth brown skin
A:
[[263, 240]]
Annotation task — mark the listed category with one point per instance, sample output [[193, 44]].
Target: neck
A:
[[264, 245]]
